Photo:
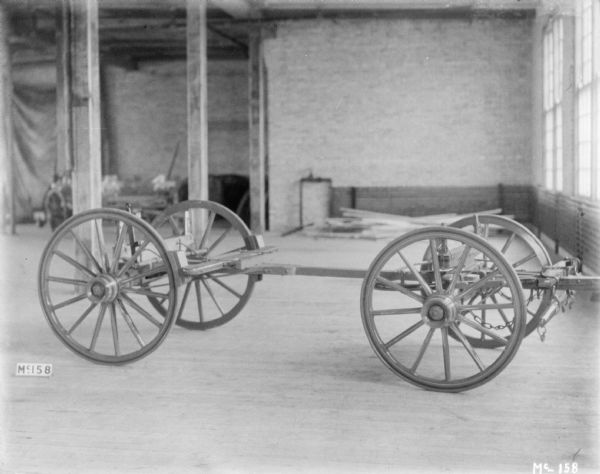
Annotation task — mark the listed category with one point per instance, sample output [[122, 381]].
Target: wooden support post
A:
[[197, 102], [197, 117], [257, 133], [64, 144], [83, 99], [7, 190]]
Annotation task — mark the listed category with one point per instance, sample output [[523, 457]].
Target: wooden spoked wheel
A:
[[205, 230], [95, 277], [524, 251], [410, 306]]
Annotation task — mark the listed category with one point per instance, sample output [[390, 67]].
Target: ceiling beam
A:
[[237, 9]]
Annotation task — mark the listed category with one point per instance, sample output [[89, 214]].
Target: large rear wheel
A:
[[420, 314]]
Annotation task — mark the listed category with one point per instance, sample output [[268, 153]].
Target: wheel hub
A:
[[439, 311], [102, 289], [436, 313]]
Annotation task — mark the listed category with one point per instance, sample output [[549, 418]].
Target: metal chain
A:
[[487, 325]]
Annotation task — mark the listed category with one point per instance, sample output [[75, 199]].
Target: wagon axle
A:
[[109, 288]]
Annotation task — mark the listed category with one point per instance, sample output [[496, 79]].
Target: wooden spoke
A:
[[395, 311], [508, 242], [403, 334], [446, 353], [145, 273], [175, 226], [488, 332], [395, 286], [483, 321], [417, 274], [199, 300], [86, 250], [502, 314], [458, 269], [219, 239], [477, 285], [70, 301], [209, 225], [115, 330], [227, 287], [82, 318], [132, 327], [98, 326], [133, 258], [485, 307], [184, 299], [140, 310], [142, 291], [122, 230], [75, 263], [101, 249], [67, 281], [525, 259], [486, 230], [467, 345], [436, 265], [212, 296], [424, 347]]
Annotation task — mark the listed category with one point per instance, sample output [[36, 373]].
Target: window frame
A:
[[587, 99], [552, 80]]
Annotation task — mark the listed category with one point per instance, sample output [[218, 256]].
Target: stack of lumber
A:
[[362, 224]]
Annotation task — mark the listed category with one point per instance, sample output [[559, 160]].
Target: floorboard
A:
[[290, 385]]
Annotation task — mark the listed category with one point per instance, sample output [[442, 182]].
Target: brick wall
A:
[[573, 224], [398, 102], [147, 117]]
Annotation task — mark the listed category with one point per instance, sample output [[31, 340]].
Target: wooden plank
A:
[[257, 133], [84, 102], [373, 215], [7, 189], [449, 218]]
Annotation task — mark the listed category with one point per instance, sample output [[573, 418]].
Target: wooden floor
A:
[[290, 385]]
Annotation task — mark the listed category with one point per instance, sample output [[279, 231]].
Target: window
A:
[[553, 71], [587, 65]]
